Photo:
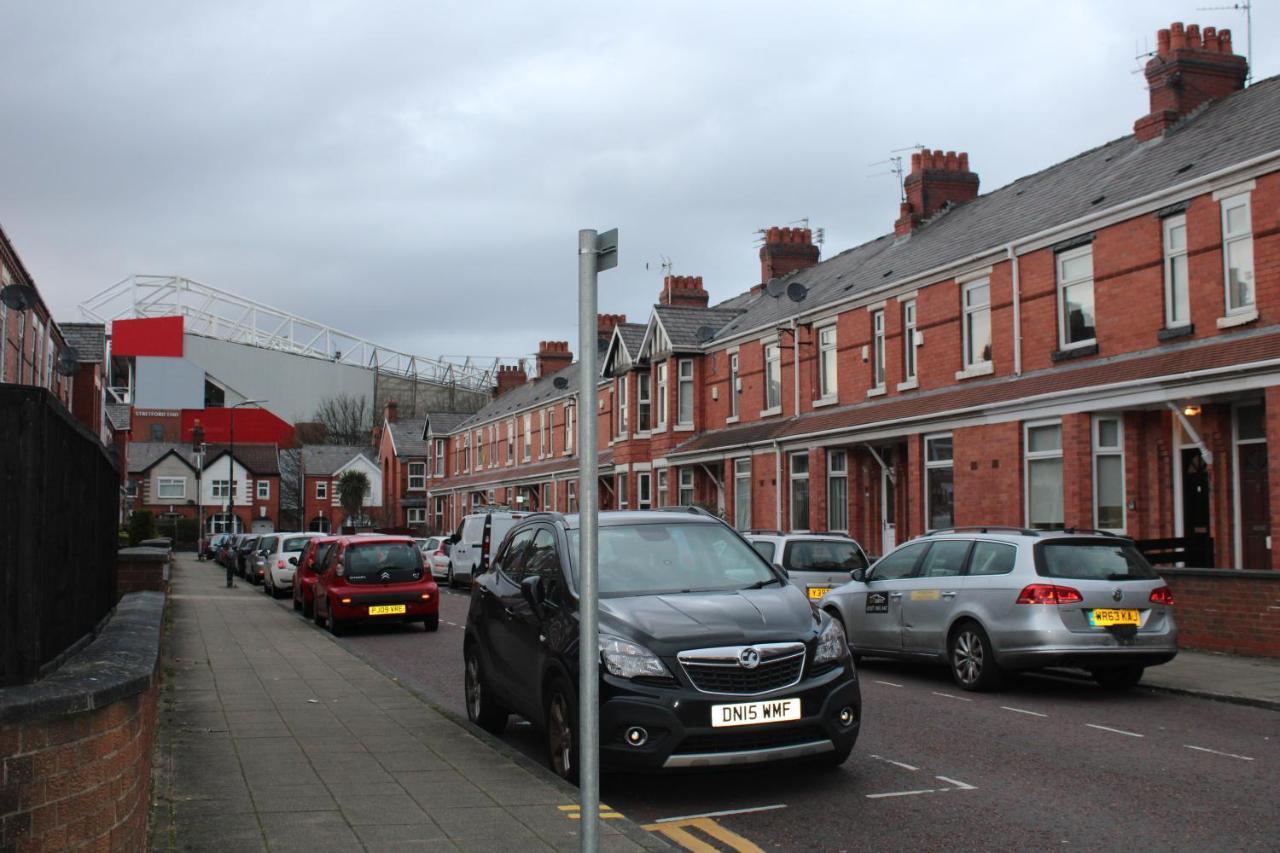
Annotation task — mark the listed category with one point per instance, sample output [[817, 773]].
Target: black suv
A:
[[709, 656]]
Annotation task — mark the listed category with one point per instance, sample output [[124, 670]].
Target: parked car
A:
[[209, 545], [280, 558], [258, 563], [312, 556], [245, 552], [473, 543], [375, 578], [818, 562], [710, 656], [991, 600], [437, 556]]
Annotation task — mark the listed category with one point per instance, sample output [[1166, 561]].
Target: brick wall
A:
[[139, 569], [1227, 611]]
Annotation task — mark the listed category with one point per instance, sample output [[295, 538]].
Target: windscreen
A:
[[383, 561], [1092, 560], [826, 555], [295, 543], [646, 559], [764, 549]]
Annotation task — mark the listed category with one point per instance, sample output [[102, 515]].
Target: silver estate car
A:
[[816, 562], [990, 600]]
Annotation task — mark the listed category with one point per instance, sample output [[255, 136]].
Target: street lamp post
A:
[[197, 449], [231, 460]]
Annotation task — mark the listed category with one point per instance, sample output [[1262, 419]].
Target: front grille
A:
[[734, 742], [772, 675]]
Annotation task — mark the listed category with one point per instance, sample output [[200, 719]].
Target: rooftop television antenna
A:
[[1247, 8]]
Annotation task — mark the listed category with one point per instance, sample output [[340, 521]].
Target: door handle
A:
[[895, 595], [510, 613], [948, 595]]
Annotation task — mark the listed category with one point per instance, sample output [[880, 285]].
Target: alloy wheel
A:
[[969, 657], [560, 737], [472, 688]]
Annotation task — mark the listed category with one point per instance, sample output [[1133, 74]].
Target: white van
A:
[[477, 537]]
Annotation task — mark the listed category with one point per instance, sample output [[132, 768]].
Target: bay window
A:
[[644, 393]]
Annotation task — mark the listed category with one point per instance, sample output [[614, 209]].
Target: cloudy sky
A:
[[416, 173]]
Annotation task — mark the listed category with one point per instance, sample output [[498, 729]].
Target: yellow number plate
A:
[[1103, 618], [385, 609], [816, 592]]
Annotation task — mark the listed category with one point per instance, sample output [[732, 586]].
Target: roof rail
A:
[[689, 510], [550, 513], [1089, 530], [763, 532], [985, 528]]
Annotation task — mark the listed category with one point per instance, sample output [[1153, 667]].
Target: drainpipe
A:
[[777, 486], [1017, 311], [795, 363]]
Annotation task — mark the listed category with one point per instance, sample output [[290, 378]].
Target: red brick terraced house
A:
[[1096, 345], [411, 455], [163, 478], [30, 340], [322, 466]]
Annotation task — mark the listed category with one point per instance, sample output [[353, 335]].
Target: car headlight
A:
[[628, 660], [831, 643]]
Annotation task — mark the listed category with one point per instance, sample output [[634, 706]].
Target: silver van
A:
[[816, 562], [478, 534]]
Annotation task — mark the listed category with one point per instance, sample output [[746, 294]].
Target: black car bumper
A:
[[677, 730]]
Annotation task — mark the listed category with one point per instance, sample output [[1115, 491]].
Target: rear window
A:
[[322, 551], [382, 556], [1092, 560], [764, 549], [295, 543], [268, 543], [827, 555]]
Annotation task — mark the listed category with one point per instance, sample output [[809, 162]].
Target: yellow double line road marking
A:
[[681, 832], [574, 812]]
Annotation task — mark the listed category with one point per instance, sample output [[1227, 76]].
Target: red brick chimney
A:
[[391, 411], [553, 356], [786, 250], [936, 179], [683, 290], [509, 376], [605, 324], [1187, 70]]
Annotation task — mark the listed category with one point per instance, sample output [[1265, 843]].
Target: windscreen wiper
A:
[[762, 584]]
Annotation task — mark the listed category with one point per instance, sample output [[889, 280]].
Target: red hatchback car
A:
[[375, 579], [304, 577]]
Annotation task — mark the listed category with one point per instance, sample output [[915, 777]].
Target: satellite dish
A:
[[797, 292], [68, 362], [19, 297], [705, 333], [560, 383], [774, 287]]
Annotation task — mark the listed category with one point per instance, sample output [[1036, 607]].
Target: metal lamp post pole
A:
[[197, 444]]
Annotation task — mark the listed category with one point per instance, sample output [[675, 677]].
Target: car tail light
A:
[[426, 596], [279, 564], [346, 601], [1047, 593], [1162, 595]]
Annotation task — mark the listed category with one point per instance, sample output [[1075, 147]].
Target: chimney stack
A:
[[509, 376], [605, 324], [937, 179], [391, 411], [786, 250], [1188, 69], [683, 290], [553, 356]]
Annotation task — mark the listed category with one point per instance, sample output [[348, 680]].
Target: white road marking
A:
[[952, 696], [1216, 752], [903, 765], [773, 807], [960, 786], [454, 624], [887, 683], [1023, 711], [902, 793], [1117, 731]]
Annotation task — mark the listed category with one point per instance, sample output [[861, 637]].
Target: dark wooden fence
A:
[[59, 505]]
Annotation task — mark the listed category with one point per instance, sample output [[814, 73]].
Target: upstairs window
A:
[[909, 341], [568, 428], [660, 389], [877, 348], [478, 461], [977, 324], [1237, 252], [772, 377], [733, 385], [511, 441], [171, 488], [1177, 298], [827, 362], [466, 452], [417, 475], [644, 393], [528, 437], [322, 490], [684, 396], [439, 457], [620, 405], [1076, 324], [549, 431]]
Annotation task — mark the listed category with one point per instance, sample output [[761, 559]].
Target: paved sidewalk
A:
[[1228, 678], [274, 737]]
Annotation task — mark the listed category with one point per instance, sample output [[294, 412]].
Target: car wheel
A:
[[335, 626], [297, 605], [1118, 677], [973, 664], [268, 586], [449, 578], [562, 731], [481, 707], [315, 616], [308, 610], [432, 622]]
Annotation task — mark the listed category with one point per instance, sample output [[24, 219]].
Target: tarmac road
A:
[[1049, 763]]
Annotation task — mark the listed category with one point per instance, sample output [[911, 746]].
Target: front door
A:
[[888, 500], [1255, 510], [1195, 508]]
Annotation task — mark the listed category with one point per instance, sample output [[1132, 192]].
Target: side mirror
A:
[[453, 540], [786, 574], [534, 592], [860, 575], [293, 561]]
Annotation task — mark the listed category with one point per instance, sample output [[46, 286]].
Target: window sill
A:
[[732, 420], [1173, 332], [768, 413], [1237, 319], [909, 385], [984, 369], [682, 428], [824, 401], [1075, 352], [876, 391]]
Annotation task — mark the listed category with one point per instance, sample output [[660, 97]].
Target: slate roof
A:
[[682, 323], [1222, 133], [443, 423], [321, 460], [89, 340], [632, 335], [257, 458], [407, 435], [119, 415]]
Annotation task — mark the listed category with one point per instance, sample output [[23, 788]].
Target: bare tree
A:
[[346, 419], [291, 490]]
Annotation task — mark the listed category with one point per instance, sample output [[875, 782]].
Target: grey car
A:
[[816, 562], [992, 600]]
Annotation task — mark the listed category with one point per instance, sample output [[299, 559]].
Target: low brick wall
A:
[[1227, 610], [75, 747], [141, 568]]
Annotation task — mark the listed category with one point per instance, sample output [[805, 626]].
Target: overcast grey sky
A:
[[416, 173]]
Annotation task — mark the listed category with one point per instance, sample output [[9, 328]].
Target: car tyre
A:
[[831, 760], [432, 622], [309, 611], [315, 616], [449, 578], [297, 605], [481, 707], [973, 662], [336, 628], [562, 730], [1118, 677], [268, 586]]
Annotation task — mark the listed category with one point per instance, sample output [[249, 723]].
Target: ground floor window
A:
[[416, 515], [571, 488], [644, 499], [1108, 474], [837, 490], [742, 493], [799, 476], [686, 487], [1043, 456], [939, 487], [222, 522], [622, 491], [662, 487], [319, 524]]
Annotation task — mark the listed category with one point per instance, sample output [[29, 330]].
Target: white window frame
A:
[[840, 472], [477, 450], [527, 451], [415, 515], [686, 484], [466, 453], [684, 418], [741, 493], [620, 404], [878, 371], [439, 472], [644, 490], [421, 478], [828, 362], [1060, 260], [218, 489], [1172, 256], [772, 365], [794, 477], [1114, 452], [569, 411], [934, 465], [264, 490], [969, 311], [662, 486], [910, 364], [1029, 456], [571, 496], [1240, 200], [322, 490], [549, 437], [620, 487], [161, 482], [660, 391], [733, 386]]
